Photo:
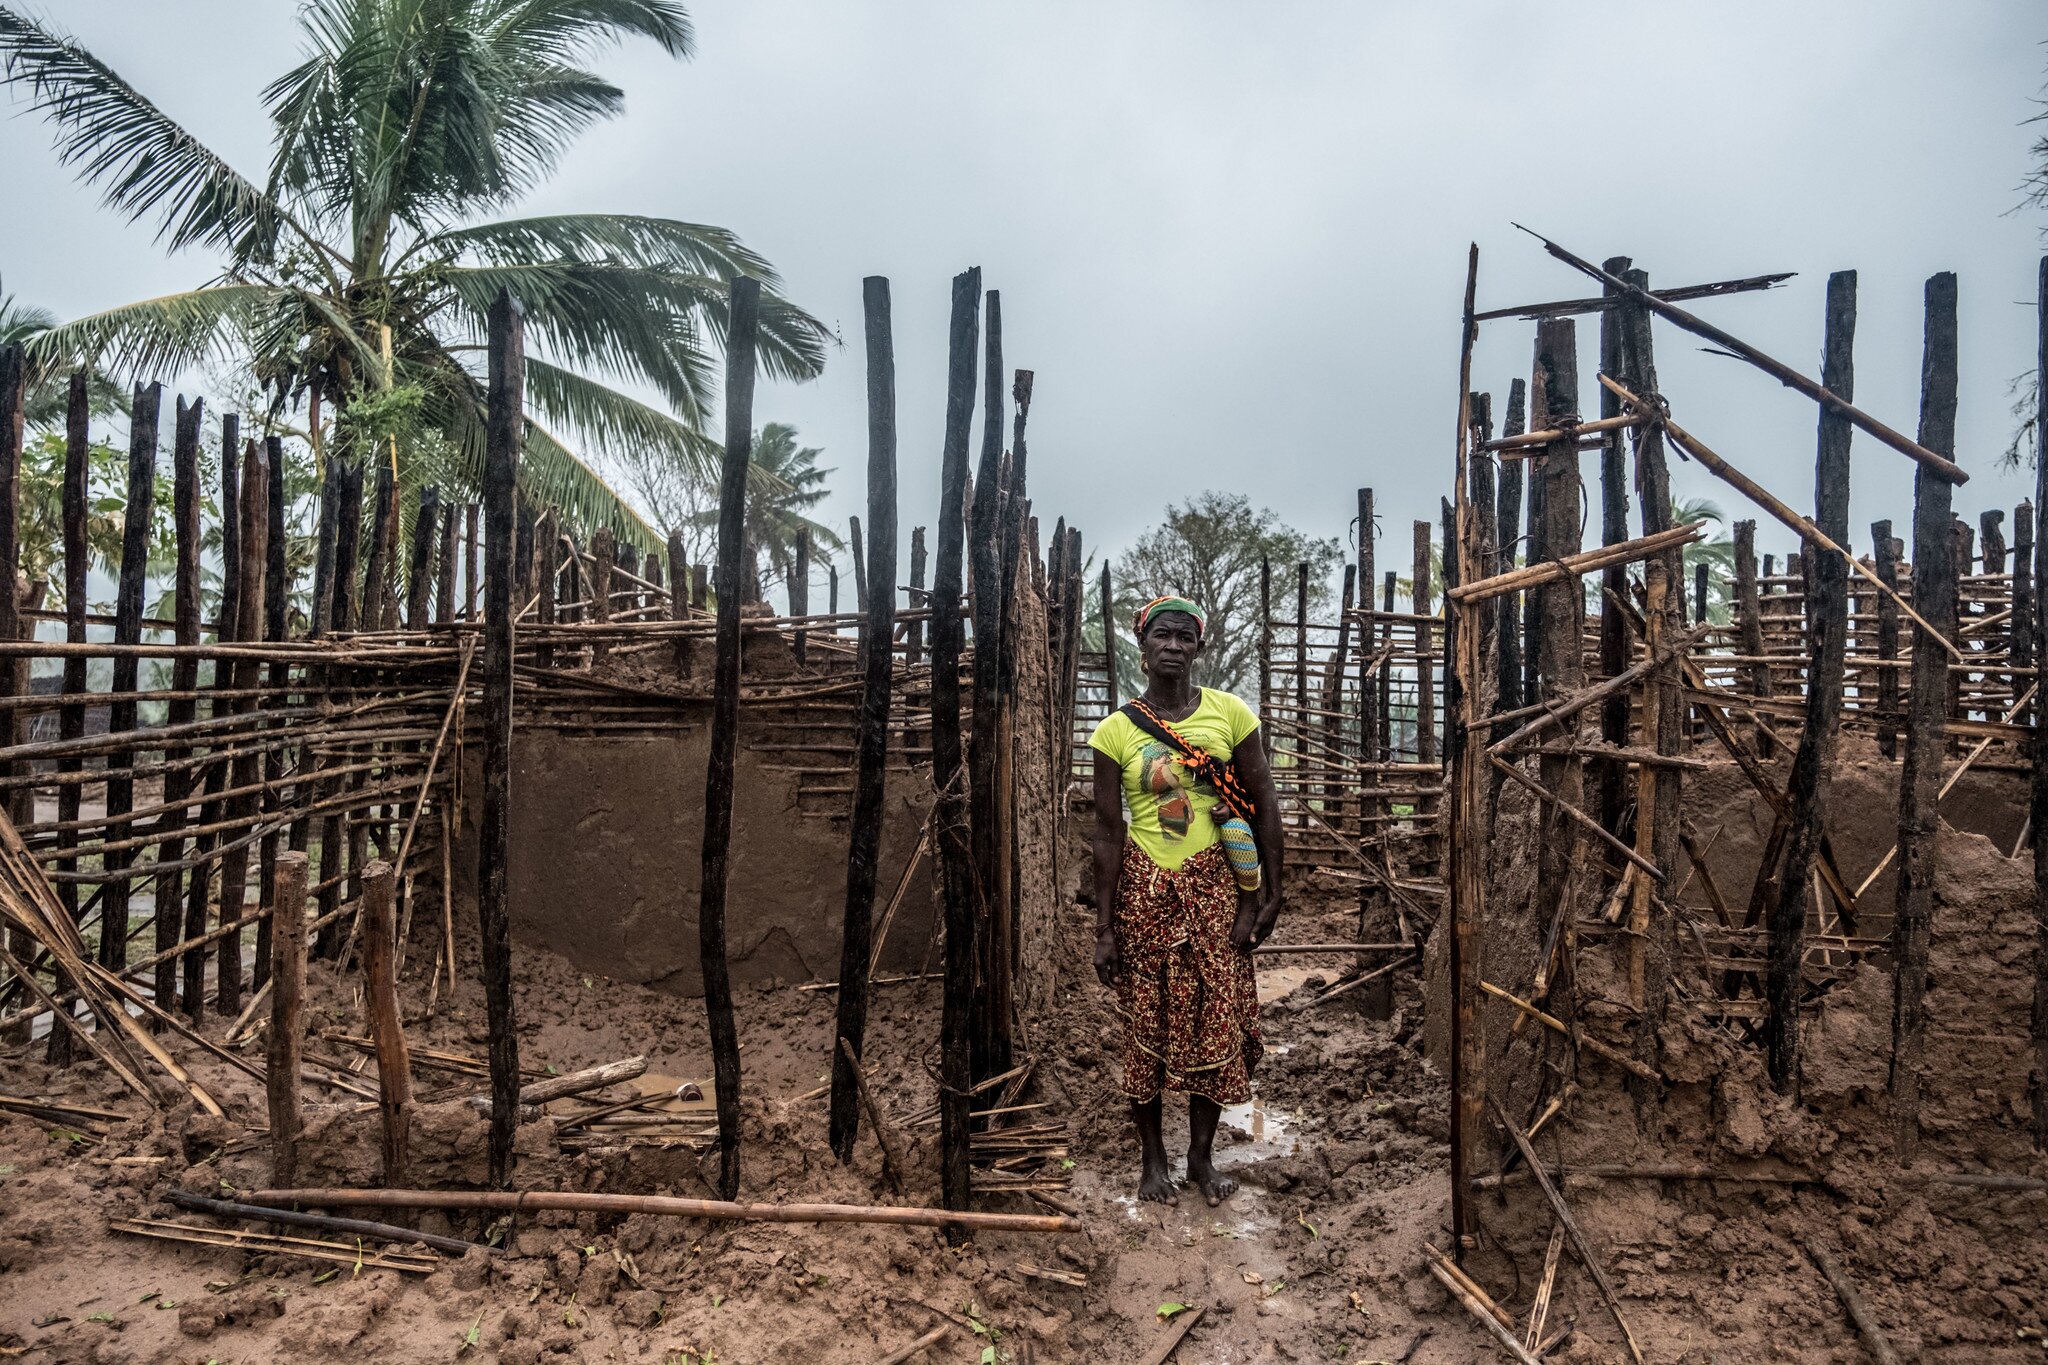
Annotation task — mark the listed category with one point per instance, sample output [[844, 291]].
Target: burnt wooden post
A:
[[419, 581], [725, 715], [444, 562], [216, 770], [276, 606], [71, 716], [1386, 704], [604, 559], [14, 675], [247, 767], [1109, 631], [1265, 653], [860, 564], [831, 591], [1991, 535], [287, 993], [1508, 526], [178, 781], [547, 545], [1886, 552], [135, 528], [871, 735], [953, 856], [800, 606], [1934, 598], [377, 573], [1331, 721], [1376, 999], [1425, 683], [920, 600], [2025, 648], [323, 550], [1749, 624], [1827, 609], [1561, 606], [2037, 799], [1301, 662], [985, 829], [1613, 778], [1653, 491], [504, 430], [387, 1027], [678, 578], [1535, 553], [333, 826], [470, 582]]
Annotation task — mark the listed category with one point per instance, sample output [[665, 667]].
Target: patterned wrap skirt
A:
[[1189, 1000]]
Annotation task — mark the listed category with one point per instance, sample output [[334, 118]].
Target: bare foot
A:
[[1156, 1185], [1214, 1185]]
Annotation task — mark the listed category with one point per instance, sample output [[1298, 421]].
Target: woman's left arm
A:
[[1257, 776]]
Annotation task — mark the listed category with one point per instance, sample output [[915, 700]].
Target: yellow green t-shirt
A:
[[1170, 817]]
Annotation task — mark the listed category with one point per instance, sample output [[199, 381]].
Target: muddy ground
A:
[[1317, 1258]]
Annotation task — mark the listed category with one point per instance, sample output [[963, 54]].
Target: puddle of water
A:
[[1263, 1132], [1275, 982]]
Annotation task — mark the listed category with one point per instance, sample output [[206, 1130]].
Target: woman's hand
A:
[[1109, 957], [1257, 911]]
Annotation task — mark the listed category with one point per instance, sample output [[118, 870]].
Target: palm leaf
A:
[[118, 139], [628, 239], [159, 336]]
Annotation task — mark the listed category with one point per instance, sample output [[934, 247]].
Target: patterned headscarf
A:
[[1180, 604]]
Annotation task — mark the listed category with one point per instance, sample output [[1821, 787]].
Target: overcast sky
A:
[[1231, 239]]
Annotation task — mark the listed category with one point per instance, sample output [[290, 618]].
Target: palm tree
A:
[[1717, 554], [787, 484], [49, 389], [357, 276]]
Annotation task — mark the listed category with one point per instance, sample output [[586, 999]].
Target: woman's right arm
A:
[[1109, 865]]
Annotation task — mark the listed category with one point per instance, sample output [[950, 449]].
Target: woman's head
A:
[[1171, 632]]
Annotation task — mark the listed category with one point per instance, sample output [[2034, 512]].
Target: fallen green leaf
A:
[[474, 1335], [101, 1317], [1169, 1311], [325, 1276], [1302, 1218]]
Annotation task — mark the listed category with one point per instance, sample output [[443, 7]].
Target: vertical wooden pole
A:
[[1699, 593], [1376, 1000], [1467, 833], [1109, 633], [984, 553], [216, 772], [276, 606], [324, 550], [1386, 739], [1300, 745], [470, 582], [387, 1027], [444, 561], [71, 717], [2025, 648], [1535, 552], [954, 856], [504, 432], [1653, 491], [860, 564], [920, 600], [1934, 598], [800, 597], [547, 553], [604, 557], [1508, 525], [14, 675], [1559, 641], [1265, 652], [725, 711], [1423, 599], [377, 573], [348, 521], [287, 993], [1611, 775], [2037, 790], [678, 577], [1827, 607], [831, 590], [871, 734], [419, 580], [1887, 563], [247, 769], [135, 523]]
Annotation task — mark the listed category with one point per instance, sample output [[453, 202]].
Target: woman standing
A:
[[1185, 889]]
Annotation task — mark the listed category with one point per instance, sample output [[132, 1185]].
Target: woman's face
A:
[[1169, 645]]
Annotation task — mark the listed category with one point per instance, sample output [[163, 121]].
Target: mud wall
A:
[[607, 849]]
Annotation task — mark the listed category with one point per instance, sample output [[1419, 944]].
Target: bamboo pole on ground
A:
[[954, 857], [871, 726], [504, 431], [1934, 595], [718, 776]]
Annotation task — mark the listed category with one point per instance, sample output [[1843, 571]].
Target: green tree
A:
[[1718, 554], [358, 274], [1209, 549], [787, 484]]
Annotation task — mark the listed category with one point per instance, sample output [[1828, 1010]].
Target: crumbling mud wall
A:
[[607, 848]]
